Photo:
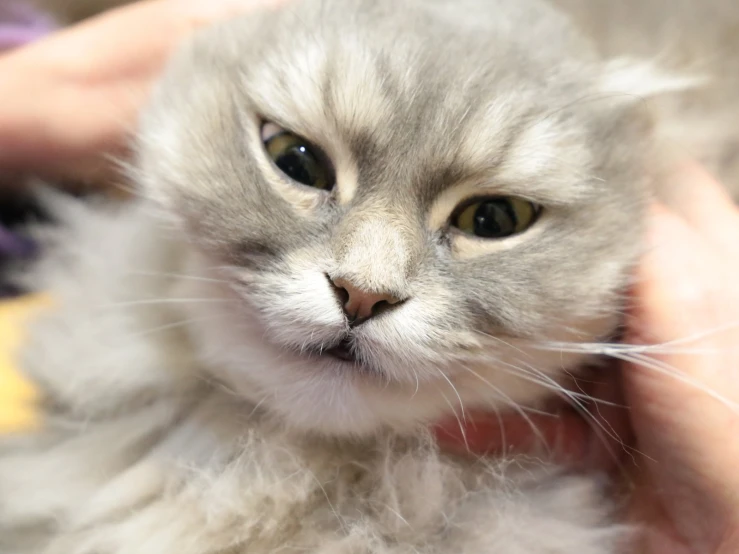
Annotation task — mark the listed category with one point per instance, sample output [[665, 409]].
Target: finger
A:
[[65, 114], [704, 203], [675, 266], [684, 398]]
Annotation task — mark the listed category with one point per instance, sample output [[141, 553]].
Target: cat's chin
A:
[[334, 397], [317, 393], [330, 395], [333, 393]]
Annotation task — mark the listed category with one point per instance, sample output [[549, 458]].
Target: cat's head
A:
[[457, 177]]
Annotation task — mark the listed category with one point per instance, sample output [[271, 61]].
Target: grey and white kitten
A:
[[361, 216]]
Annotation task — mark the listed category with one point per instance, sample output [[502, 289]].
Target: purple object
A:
[[14, 245], [20, 24]]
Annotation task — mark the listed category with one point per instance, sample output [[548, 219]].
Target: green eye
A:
[[496, 218], [297, 158]]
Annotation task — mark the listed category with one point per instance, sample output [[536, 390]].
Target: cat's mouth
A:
[[342, 351]]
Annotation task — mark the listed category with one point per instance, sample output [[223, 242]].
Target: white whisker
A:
[[456, 392], [177, 276], [666, 369], [155, 301], [462, 428], [511, 402], [174, 325]]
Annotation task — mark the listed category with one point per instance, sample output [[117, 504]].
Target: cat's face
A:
[[448, 174]]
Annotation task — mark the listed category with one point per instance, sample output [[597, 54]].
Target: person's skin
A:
[[69, 100]]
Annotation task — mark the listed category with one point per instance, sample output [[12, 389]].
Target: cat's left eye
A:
[[297, 158], [496, 217]]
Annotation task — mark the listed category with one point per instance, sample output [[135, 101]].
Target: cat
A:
[[357, 217]]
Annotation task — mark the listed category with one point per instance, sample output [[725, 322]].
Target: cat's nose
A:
[[360, 305]]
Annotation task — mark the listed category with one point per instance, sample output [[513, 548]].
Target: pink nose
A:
[[360, 305]]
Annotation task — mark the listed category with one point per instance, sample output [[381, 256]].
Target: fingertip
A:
[[664, 227], [702, 200], [671, 279]]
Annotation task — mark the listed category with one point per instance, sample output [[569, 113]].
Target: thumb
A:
[[683, 392]]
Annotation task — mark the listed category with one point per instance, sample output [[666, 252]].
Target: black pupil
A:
[[299, 163], [495, 218]]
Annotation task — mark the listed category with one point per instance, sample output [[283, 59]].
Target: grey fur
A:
[[188, 411]]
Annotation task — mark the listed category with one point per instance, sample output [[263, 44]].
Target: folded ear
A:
[[639, 79]]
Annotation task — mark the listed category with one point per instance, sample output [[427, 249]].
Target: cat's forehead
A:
[[381, 84], [369, 99], [417, 95]]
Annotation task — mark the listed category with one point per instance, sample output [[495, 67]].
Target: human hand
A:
[[685, 405], [682, 393], [70, 101]]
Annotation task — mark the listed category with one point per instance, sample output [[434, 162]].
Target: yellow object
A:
[[17, 396]]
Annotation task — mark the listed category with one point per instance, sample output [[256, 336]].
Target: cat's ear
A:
[[640, 79]]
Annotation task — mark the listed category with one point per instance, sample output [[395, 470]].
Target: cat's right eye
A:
[[297, 158]]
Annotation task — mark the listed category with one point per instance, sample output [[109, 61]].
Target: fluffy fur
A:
[[189, 406]]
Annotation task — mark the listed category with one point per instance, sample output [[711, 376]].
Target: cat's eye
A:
[[297, 158], [496, 217]]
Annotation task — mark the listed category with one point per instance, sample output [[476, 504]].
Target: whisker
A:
[[174, 325], [177, 276], [537, 377], [605, 349], [115, 349], [155, 301], [660, 348], [666, 369], [501, 341], [575, 399], [515, 405], [461, 404], [462, 428], [418, 382]]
